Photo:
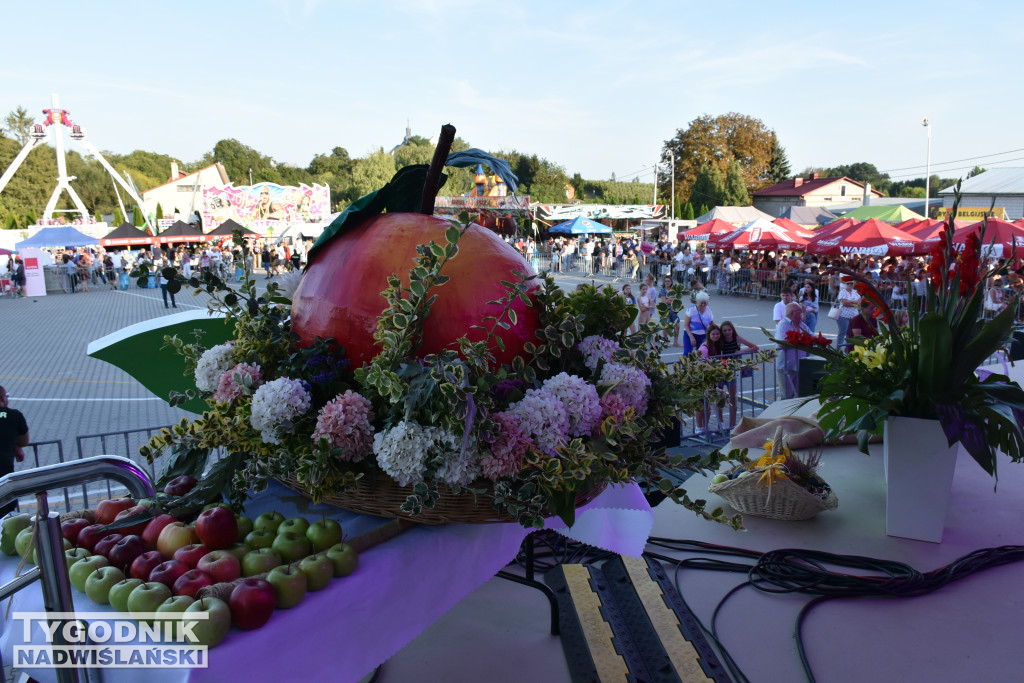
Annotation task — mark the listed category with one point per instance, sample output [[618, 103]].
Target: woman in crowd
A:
[[809, 300], [696, 321], [849, 303], [627, 294], [711, 347], [731, 346]]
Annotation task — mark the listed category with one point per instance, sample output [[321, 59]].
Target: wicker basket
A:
[[382, 497], [782, 499]]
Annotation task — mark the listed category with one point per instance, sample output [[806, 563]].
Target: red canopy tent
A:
[[835, 226], [1003, 237], [870, 237], [789, 225], [761, 235], [705, 231]]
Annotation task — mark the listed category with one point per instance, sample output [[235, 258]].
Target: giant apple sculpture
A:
[[340, 294]]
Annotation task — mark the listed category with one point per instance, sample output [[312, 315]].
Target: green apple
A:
[[297, 524], [120, 591], [244, 527], [99, 583], [176, 604], [215, 627], [289, 585], [260, 561], [240, 550], [74, 555], [22, 542], [81, 570], [9, 530], [344, 558], [292, 545], [324, 533], [147, 597], [260, 538], [269, 521], [319, 571]]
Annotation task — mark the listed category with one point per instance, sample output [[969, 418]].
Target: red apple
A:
[[217, 528], [71, 528], [106, 543], [252, 603], [145, 563], [125, 551], [168, 572], [221, 565], [331, 300], [191, 582], [153, 529], [179, 486], [91, 535], [137, 529], [107, 510], [174, 536], [191, 554]]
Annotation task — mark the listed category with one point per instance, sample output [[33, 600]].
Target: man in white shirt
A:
[[780, 308]]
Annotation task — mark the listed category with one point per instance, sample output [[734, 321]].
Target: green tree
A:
[[688, 211], [31, 185], [577, 186], [372, 172], [703, 210], [977, 170], [778, 167], [735, 190], [716, 142], [138, 217], [18, 124], [159, 211], [709, 187], [862, 172], [414, 153], [614, 192], [238, 159], [118, 216]]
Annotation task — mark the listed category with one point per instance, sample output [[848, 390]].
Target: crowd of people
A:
[[83, 268]]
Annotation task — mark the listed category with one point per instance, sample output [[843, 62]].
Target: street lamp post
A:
[[655, 202], [672, 157], [250, 176], [928, 169]]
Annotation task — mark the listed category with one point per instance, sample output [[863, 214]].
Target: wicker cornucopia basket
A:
[[383, 497], [763, 493]]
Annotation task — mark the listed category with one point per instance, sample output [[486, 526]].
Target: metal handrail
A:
[[49, 542]]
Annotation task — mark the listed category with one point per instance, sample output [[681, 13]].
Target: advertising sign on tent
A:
[[972, 213], [35, 282]]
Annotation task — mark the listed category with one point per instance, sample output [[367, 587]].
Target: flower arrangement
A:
[[926, 366], [780, 484], [576, 409]]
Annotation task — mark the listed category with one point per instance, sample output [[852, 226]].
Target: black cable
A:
[[806, 571]]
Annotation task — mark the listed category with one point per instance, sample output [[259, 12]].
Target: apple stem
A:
[[430, 185]]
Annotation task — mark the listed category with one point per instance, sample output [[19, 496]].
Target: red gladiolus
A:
[[938, 254], [822, 341], [970, 265]]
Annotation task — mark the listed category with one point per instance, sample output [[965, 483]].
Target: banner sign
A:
[[35, 282], [972, 214], [265, 202], [507, 202]]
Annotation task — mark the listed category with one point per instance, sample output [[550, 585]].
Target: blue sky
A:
[[596, 87]]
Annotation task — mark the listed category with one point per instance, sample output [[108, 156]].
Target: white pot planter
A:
[[919, 468]]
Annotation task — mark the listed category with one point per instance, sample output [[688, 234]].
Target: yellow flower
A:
[[875, 358], [857, 353]]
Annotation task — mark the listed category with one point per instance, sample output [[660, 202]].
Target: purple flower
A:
[[345, 423], [505, 456]]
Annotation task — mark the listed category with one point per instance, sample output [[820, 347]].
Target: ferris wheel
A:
[[55, 121]]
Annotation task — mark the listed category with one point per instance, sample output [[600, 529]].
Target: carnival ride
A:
[[40, 132]]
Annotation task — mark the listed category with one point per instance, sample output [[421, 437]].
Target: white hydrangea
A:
[[275, 405], [460, 467], [212, 365], [403, 450]]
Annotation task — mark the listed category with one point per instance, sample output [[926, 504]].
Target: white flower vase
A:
[[919, 466]]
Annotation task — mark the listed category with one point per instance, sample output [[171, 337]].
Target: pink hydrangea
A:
[[240, 380], [345, 423], [613, 405], [596, 348], [628, 382], [580, 400], [505, 456], [544, 418]]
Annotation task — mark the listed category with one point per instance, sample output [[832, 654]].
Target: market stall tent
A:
[[58, 236], [705, 231], [580, 226], [886, 214], [870, 237], [228, 228], [180, 231], [125, 235]]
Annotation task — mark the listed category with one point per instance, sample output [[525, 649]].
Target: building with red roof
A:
[[812, 191]]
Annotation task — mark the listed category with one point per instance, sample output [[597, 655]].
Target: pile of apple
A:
[[161, 565]]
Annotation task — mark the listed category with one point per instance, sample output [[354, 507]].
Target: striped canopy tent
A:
[[761, 235], [705, 231], [870, 237], [126, 235]]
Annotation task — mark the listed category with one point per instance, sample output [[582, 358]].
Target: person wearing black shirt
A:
[[13, 435]]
